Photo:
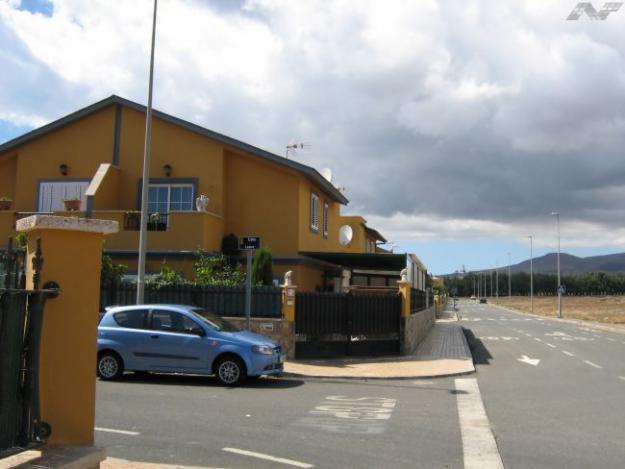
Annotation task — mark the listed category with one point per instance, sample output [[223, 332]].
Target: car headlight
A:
[[262, 349]]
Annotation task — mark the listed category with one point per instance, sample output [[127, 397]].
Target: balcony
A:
[[184, 231]]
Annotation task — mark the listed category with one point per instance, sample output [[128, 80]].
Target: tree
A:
[[262, 267], [167, 277], [110, 272]]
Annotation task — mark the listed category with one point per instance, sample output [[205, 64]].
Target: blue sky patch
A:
[[9, 131], [45, 7]]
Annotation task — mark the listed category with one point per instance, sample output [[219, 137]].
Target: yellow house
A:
[[95, 155]]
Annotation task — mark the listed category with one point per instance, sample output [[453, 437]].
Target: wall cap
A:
[[88, 225]]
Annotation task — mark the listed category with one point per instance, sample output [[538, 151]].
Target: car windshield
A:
[[216, 322]]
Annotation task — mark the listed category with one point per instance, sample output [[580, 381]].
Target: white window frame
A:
[[326, 209], [169, 188], [314, 212]]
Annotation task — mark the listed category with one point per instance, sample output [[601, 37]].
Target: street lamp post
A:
[[557, 215], [143, 231], [531, 275], [509, 280], [497, 279]]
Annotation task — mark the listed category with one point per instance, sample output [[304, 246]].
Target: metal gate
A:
[[21, 321], [345, 324]]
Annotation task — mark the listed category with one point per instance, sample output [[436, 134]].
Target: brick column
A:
[[72, 253]]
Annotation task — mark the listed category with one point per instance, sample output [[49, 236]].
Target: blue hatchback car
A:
[[182, 339]]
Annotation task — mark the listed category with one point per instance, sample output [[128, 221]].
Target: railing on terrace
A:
[[224, 301], [21, 322], [417, 300]]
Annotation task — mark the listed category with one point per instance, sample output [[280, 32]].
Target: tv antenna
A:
[[291, 148]]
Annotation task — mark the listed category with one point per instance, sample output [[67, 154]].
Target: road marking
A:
[[267, 457], [113, 430], [550, 345], [528, 360], [592, 364], [622, 378], [610, 339], [479, 448], [537, 339], [567, 353], [529, 335]]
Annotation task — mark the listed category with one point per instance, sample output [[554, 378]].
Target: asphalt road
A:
[[568, 409], [329, 424], [552, 395]]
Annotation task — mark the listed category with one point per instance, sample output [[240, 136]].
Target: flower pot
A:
[[6, 204], [72, 205]]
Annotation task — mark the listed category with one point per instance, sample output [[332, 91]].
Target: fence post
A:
[[288, 302], [72, 252], [404, 291]]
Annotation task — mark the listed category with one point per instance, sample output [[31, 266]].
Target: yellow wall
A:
[[8, 168], [188, 153], [315, 241], [7, 226], [82, 146], [108, 190], [262, 200]]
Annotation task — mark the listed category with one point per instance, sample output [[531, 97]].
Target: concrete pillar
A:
[[72, 253], [288, 302], [404, 291]]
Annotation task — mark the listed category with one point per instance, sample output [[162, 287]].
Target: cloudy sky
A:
[[456, 127]]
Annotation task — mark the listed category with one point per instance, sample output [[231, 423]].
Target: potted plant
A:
[[5, 203], [72, 204]]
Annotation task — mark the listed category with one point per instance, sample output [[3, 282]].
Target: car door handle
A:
[[155, 336]]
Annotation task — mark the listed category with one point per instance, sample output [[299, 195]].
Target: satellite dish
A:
[[326, 173], [345, 235]]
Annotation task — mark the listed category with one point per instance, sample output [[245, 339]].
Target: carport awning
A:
[[364, 261]]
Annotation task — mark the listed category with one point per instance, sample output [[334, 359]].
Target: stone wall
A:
[[416, 327], [278, 329]]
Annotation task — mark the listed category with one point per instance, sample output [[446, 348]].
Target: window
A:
[[134, 319], [163, 198], [325, 219], [314, 212], [170, 321]]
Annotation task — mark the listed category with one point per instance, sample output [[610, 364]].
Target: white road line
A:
[[267, 457], [610, 339], [529, 335], [592, 364], [622, 378], [567, 353], [113, 430], [479, 448], [550, 345], [537, 339]]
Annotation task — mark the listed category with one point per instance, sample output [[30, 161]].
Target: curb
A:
[[380, 378]]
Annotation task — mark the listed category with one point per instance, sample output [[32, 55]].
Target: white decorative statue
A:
[[404, 275], [287, 279], [201, 203]]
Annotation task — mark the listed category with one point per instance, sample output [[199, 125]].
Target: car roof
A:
[[170, 306]]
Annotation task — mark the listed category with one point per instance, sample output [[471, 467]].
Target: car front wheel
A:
[[110, 366], [230, 371]]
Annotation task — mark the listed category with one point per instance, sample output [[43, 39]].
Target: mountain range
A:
[[570, 264]]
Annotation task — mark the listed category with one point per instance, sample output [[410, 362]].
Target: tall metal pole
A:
[[497, 279], [143, 232], [509, 279], [531, 275], [248, 289], [557, 215], [491, 282]]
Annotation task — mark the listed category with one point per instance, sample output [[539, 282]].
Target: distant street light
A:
[[557, 215], [531, 275], [509, 279]]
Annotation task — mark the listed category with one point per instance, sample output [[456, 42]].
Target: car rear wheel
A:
[[110, 366], [230, 371]]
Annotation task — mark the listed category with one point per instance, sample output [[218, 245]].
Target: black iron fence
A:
[[221, 300], [21, 321], [331, 324], [417, 300]]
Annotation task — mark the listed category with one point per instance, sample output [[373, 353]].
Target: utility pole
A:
[[509, 279], [531, 275], [497, 279], [145, 183], [557, 215]]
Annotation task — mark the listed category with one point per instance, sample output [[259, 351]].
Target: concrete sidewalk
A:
[[444, 352]]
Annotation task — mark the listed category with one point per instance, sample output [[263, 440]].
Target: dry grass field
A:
[[608, 309]]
